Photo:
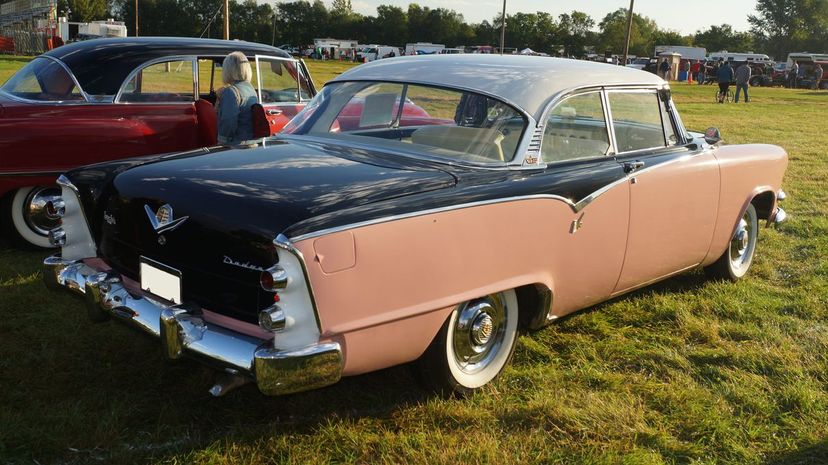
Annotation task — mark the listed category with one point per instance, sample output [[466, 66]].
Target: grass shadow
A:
[[815, 454]]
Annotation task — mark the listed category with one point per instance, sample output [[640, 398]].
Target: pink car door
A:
[[674, 190]]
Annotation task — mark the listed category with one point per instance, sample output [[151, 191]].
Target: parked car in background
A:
[[377, 52], [538, 188], [106, 99]]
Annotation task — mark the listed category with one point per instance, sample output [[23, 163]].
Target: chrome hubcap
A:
[[479, 333], [741, 245], [38, 217]]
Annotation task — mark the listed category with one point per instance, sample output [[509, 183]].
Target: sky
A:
[[684, 16]]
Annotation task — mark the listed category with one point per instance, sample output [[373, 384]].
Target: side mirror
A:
[[712, 136]]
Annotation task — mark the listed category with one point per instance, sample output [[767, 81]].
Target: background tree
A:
[[783, 26], [391, 25], [719, 38], [575, 32], [614, 31]]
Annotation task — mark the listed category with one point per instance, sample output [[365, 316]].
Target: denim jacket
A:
[[235, 118]]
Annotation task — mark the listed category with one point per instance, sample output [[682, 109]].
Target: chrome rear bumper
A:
[[183, 331]]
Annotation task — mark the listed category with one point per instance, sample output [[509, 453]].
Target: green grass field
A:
[[686, 371]]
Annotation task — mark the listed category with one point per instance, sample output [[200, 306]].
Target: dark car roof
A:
[[102, 65]]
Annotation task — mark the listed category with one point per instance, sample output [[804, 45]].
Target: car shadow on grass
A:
[[810, 455]]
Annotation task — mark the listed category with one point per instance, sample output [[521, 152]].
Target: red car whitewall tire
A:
[[27, 220]]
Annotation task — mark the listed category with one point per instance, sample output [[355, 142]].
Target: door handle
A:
[[631, 166], [274, 112]]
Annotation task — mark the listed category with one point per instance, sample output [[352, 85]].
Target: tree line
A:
[[779, 27]]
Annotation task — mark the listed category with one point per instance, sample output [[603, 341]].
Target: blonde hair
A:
[[235, 68]]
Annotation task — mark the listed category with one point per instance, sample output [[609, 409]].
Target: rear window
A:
[[45, 80], [443, 123]]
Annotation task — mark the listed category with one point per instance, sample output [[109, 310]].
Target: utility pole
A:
[[136, 18], [226, 19], [503, 27], [273, 40], [629, 32]]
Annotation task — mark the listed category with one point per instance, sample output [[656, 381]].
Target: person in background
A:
[[793, 75], [724, 76], [743, 73], [695, 70], [234, 102], [818, 72], [664, 70]]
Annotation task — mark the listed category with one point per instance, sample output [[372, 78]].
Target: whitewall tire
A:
[[474, 345], [28, 220]]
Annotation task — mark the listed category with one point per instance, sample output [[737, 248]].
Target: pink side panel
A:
[[413, 269], [746, 170]]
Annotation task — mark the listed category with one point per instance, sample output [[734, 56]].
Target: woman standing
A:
[[235, 118]]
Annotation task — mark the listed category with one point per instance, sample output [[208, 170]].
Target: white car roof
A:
[[528, 82]]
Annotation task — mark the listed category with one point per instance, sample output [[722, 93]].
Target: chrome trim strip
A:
[[575, 209], [285, 244], [30, 173]]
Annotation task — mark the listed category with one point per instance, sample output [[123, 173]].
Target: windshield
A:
[[445, 123], [43, 80]]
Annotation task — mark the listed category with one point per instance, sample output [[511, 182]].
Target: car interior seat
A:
[[207, 123]]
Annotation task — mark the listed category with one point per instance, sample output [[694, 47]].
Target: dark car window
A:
[[169, 81], [444, 123], [576, 128], [44, 80], [636, 119], [281, 80]]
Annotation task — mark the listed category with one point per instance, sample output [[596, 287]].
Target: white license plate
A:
[[160, 280]]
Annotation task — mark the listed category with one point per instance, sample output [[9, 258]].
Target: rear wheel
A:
[[473, 346], [28, 222], [736, 260]]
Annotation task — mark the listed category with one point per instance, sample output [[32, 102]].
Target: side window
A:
[[576, 129], [636, 118], [209, 76], [44, 80], [374, 107], [170, 81], [279, 82]]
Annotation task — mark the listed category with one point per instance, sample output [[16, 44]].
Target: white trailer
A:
[[738, 57], [423, 48], [687, 53]]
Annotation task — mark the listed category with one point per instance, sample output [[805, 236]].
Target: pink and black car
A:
[[106, 99], [530, 188]]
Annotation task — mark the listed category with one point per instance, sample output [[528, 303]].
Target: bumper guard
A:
[[184, 332]]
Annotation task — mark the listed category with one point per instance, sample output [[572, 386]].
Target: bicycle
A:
[[728, 96]]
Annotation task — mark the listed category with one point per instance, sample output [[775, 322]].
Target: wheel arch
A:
[[535, 306]]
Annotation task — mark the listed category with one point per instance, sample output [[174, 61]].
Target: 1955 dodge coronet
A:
[[522, 189]]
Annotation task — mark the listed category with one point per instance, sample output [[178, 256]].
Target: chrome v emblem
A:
[[162, 220]]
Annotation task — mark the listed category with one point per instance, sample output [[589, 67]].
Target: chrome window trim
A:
[[655, 92], [83, 93], [520, 151], [604, 109], [193, 59], [299, 74]]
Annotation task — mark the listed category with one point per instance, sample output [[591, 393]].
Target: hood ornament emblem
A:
[[162, 220]]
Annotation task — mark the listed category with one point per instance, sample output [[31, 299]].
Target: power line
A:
[[211, 21]]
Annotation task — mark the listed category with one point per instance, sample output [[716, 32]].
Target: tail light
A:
[[272, 318], [274, 279]]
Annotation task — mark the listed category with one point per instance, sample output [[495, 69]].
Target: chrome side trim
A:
[[575, 209], [281, 241], [29, 173]]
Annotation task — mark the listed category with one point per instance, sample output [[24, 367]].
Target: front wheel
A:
[[27, 219], [736, 260], [473, 346]]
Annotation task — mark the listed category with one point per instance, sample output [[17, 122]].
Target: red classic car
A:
[[107, 99]]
